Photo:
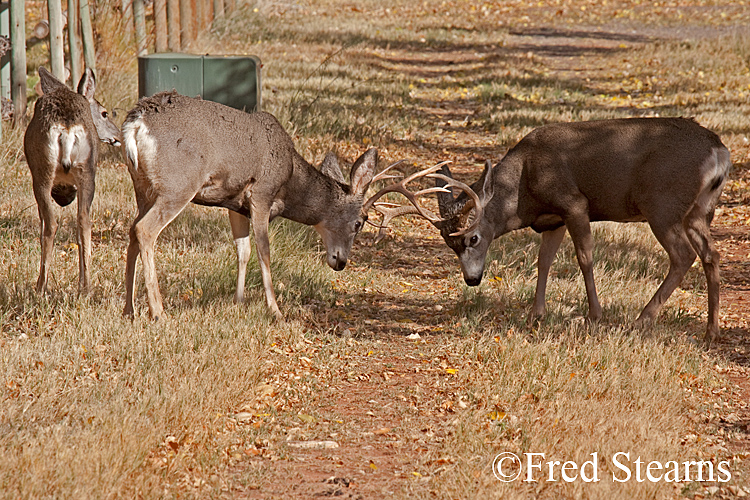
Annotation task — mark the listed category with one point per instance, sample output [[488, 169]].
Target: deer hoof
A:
[[709, 338]]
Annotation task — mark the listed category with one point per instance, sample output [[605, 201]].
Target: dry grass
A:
[[203, 403]]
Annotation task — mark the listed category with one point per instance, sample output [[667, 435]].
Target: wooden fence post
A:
[[160, 25], [186, 24], [56, 39], [173, 24], [18, 59], [139, 18], [89, 50], [127, 12], [74, 42]]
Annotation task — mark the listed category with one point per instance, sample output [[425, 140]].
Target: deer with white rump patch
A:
[[61, 145], [668, 172], [181, 149]]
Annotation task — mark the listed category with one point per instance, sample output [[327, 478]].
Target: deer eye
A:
[[473, 240], [104, 114], [357, 226]]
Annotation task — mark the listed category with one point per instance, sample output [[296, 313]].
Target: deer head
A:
[[463, 226], [339, 227]]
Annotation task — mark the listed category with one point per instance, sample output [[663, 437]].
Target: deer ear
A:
[[485, 182], [87, 85], [330, 167], [445, 200], [363, 170], [48, 81]]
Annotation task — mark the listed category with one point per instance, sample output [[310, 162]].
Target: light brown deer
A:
[[668, 172], [181, 149], [61, 145]]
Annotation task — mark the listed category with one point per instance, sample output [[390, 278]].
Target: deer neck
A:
[[504, 209], [309, 195]]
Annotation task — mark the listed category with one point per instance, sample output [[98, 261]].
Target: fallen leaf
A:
[[306, 418]]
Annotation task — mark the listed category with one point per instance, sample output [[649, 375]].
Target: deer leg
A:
[[48, 229], [580, 231], [241, 235], [132, 257], [547, 250], [260, 219], [86, 189], [697, 230], [681, 257], [147, 229]]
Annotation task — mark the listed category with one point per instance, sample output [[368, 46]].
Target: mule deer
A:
[[181, 149], [61, 149], [668, 172]]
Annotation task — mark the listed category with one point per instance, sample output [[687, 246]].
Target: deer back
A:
[[623, 168], [176, 143]]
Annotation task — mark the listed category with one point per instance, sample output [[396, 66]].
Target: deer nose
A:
[[337, 262], [473, 281]]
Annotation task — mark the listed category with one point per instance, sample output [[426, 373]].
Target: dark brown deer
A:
[[668, 172], [181, 149], [61, 146]]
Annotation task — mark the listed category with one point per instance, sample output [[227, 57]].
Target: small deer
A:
[[668, 172], [181, 149], [61, 149]]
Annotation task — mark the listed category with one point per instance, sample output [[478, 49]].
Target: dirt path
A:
[[376, 410]]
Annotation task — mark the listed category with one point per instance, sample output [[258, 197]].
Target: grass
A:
[[203, 403]]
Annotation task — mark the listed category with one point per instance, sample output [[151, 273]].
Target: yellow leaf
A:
[[452, 371], [373, 466], [496, 415], [306, 418]]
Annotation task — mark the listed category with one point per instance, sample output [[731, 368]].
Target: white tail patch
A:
[[53, 148], [716, 170], [68, 146], [139, 143]]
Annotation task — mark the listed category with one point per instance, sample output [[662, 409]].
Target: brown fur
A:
[[59, 178], [181, 150], [668, 172]]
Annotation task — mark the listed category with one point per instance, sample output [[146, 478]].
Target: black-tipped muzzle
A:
[[336, 262], [472, 281]]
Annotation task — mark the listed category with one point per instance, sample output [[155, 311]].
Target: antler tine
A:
[[426, 172], [389, 211], [476, 203], [400, 187], [381, 175]]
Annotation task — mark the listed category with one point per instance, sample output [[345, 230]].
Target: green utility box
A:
[[230, 80]]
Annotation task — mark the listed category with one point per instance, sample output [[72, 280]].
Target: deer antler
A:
[[475, 203], [400, 187], [389, 211]]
